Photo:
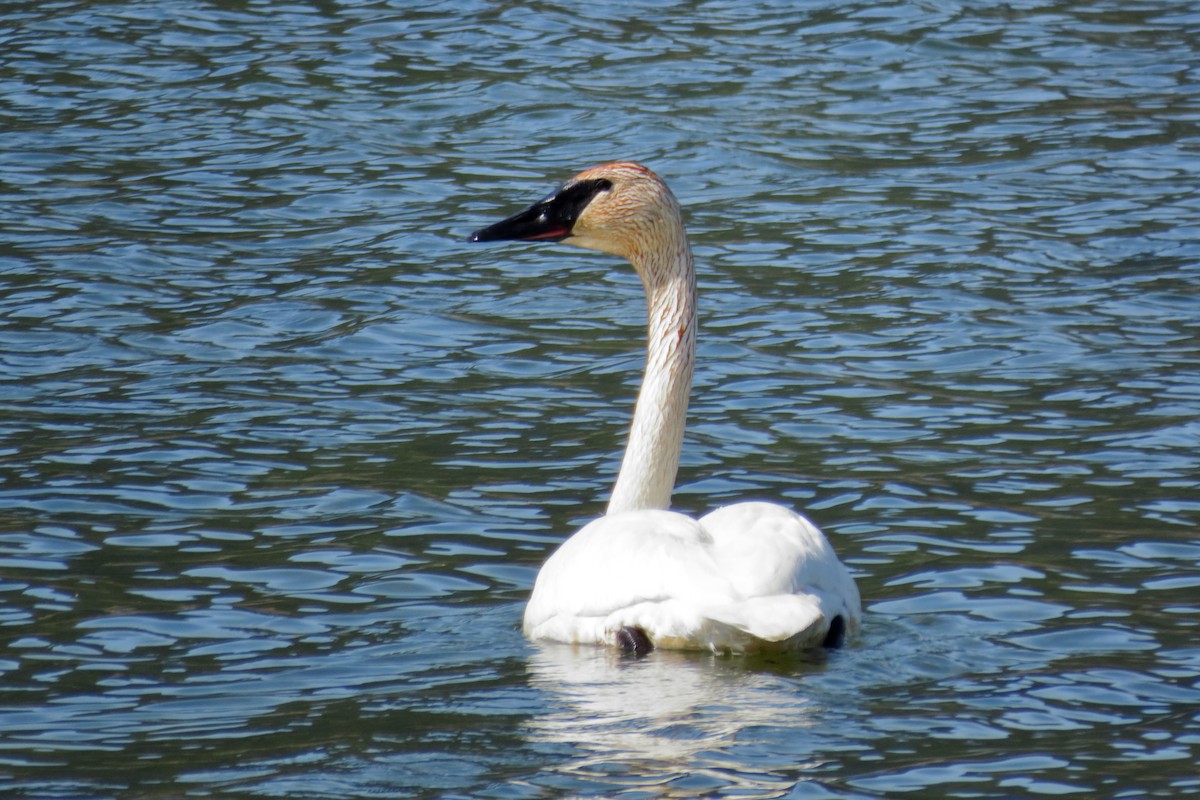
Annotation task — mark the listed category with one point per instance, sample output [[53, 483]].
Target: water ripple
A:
[[280, 454]]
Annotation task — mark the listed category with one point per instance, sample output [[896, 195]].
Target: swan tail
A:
[[778, 621], [760, 624]]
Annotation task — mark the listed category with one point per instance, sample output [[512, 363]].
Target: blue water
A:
[[281, 454]]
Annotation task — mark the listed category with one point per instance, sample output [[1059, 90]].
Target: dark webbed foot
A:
[[837, 633], [634, 640]]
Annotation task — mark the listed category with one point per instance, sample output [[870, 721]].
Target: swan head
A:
[[621, 208]]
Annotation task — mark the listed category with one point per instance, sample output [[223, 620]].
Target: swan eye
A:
[[569, 202], [572, 199]]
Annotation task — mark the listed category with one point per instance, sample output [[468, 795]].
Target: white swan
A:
[[745, 578]]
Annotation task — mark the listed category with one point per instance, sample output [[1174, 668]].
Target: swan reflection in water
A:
[[670, 717]]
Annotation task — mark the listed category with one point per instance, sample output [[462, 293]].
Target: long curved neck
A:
[[656, 436]]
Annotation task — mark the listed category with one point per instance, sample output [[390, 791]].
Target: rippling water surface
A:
[[280, 454]]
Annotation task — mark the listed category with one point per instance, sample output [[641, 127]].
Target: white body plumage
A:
[[748, 577]]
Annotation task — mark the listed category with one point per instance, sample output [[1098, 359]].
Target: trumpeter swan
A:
[[747, 577]]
